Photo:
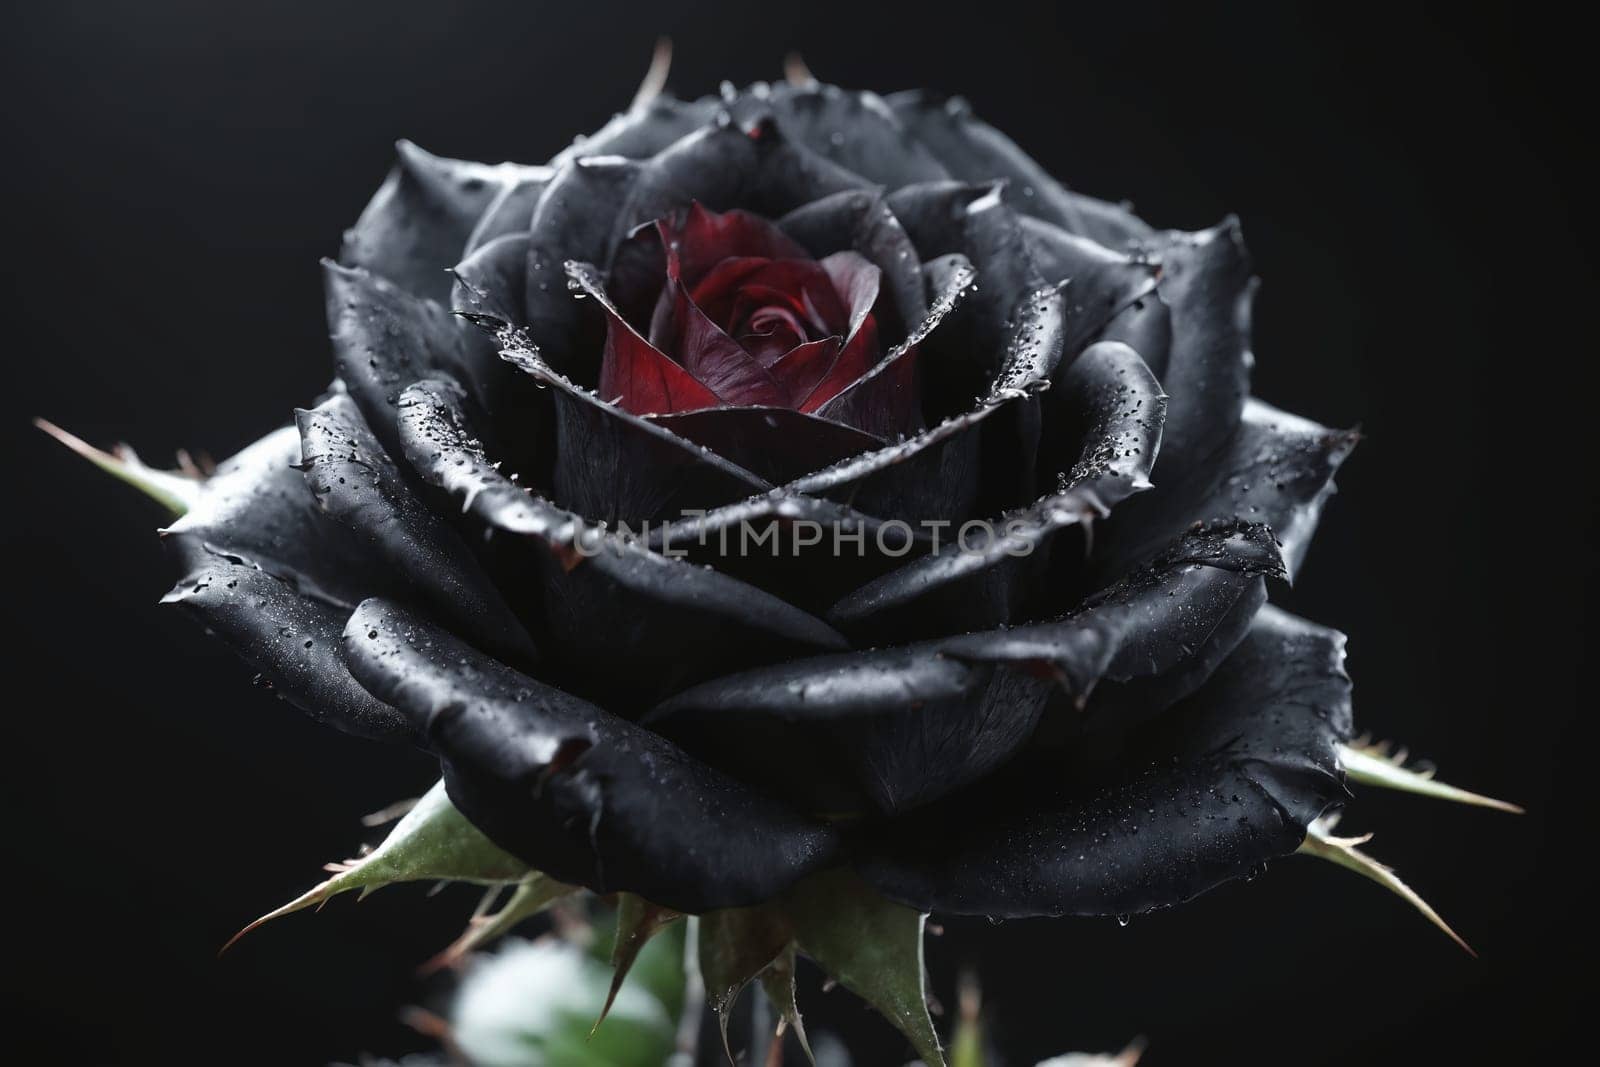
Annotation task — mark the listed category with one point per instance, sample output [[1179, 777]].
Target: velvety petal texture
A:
[[1228, 781], [797, 480], [585, 796]]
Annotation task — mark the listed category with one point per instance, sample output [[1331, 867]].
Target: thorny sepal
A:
[[176, 490], [433, 842], [1371, 763], [777, 981], [1345, 851], [871, 946], [735, 946], [531, 896], [638, 921]]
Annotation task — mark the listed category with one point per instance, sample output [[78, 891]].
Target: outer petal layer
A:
[[1230, 779], [581, 795]]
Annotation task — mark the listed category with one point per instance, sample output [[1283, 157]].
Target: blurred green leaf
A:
[[532, 1004]]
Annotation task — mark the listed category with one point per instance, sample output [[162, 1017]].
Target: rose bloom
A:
[[556, 520]]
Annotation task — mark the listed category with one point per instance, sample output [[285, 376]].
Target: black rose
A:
[[558, 519]]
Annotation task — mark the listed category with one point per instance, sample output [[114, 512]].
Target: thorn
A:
[[1371, 764], [317, 895], [655, 78], [795, 71], [1343, 851], [395, 811]]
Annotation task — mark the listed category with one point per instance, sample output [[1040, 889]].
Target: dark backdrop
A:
[[1407, 186]]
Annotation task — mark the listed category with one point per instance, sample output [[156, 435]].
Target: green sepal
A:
[[736, 945], [638, 921], [433, 842], [777, 981], [531, 896], [871, 946], [1375, 765], [176, 491]]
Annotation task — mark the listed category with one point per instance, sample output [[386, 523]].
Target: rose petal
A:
[[901, 726], [883, 398], [267, 571], [725, 166], [290, 640], [856, 130], [384, 339], [778, 443], [718, 360], [974, 151], [644, 130], [705, 238], [801, 371], [1277, 468], [1207, 287], [356, 483], [614, 466], [582, 795], [491, 284], [1223, 784], [985, 578], [671, 622], [856, 280], [933, 476], [572, 222], [511, 211], [861, 220], [417, 224], [805, 550], [639, 378]]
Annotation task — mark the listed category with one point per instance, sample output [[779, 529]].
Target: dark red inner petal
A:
[[634, 374], [744, 317], [705, 238]]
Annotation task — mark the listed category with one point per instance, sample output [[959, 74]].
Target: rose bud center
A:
[[742, 316]]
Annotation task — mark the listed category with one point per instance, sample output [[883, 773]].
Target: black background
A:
[[1408, 187]]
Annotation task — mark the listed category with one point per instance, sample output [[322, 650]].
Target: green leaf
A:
[[1372, 764], [174, 490], [871, 946], [1321, 843], [638, 921], [531, 896], [433, 842]]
